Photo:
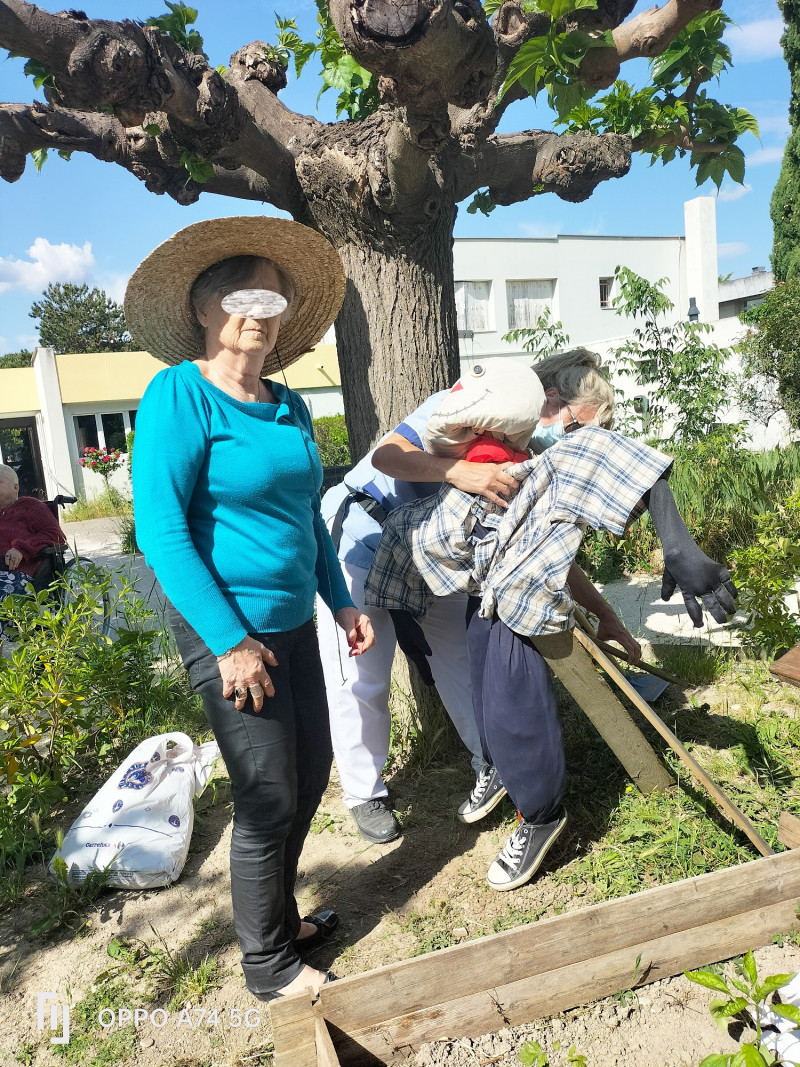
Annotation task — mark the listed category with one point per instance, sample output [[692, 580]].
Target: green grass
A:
[[106, 505]]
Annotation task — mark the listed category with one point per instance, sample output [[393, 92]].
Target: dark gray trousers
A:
[[278, 762]]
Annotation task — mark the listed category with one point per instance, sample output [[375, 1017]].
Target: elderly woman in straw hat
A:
[[226, 482]]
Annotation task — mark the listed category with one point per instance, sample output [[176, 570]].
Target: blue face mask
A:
[[545, 436]]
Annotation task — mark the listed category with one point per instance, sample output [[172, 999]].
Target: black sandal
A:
[[325, 922]]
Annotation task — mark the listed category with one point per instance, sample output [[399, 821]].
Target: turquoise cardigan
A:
[[226, 500]]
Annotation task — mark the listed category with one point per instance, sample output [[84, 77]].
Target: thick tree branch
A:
[[24, 128], [428, 54], [518, 166], [148, 80]]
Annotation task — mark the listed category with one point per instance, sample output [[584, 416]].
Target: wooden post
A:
[[573, 667]]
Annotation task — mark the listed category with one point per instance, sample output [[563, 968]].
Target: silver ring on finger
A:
[[256, 690], [240, 694]]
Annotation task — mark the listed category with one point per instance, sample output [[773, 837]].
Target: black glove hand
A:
[[686, 565], [705, 579], [412, 641]]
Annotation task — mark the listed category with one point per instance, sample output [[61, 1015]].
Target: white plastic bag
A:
[[139, 824]]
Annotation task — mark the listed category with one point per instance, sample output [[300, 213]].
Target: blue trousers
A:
[[516, 714], [278, 762]]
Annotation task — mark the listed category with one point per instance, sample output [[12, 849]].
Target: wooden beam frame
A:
[[384, 1015]]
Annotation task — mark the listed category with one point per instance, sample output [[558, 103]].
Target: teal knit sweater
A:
[[226, 500]]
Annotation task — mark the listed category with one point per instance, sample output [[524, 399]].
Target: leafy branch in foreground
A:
[[747, 997], [673, 115]]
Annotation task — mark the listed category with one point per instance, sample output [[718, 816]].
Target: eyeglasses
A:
[[574, 425]]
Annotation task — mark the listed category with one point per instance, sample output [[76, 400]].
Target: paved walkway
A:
[[636, 600]]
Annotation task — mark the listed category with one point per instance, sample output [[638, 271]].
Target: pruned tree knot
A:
[[393, 22], [12, 160], [256, 63]]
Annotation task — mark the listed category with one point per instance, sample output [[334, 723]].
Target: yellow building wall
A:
[[18, 391], [111, 377]]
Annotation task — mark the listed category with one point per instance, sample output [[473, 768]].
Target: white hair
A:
[[9, 474]]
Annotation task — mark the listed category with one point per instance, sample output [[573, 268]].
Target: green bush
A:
[[72, 701], [722, 491], [333, 443], [765, 572]]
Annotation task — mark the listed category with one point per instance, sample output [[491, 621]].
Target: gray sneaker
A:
[[375, 820], [486, 794], [522, 855]]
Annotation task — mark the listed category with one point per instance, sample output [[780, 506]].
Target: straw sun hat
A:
[[157, 308]]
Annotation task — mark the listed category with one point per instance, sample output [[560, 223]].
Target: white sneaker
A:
[[522, 855], [486, 794]]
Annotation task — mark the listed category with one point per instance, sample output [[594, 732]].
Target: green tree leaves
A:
[[771, 348], [687, 374], [176, 25], [358, 88], [74, 318]]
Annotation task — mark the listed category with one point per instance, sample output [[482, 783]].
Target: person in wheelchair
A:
[[28, 534]]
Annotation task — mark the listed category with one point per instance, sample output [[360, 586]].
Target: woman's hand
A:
[[357, 628], [13, 558], [243, 672], [488, 480]]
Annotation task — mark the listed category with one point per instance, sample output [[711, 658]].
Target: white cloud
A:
[[539, 229], [753, 41], [47, 263], [729, 193], [732, 248], [762, 156], [26, 340]]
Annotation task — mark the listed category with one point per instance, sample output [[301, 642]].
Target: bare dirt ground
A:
[[422, 892]]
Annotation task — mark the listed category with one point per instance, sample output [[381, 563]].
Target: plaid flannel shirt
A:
[[518, 561]]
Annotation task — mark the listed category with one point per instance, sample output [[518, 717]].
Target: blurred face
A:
[[9, 491], [576, 415], [239, 335]]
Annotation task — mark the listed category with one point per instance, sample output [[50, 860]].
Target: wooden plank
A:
[[401, 988], [568, 986], [573, 667], [726, 806], [787, 668], [326, 1053], [294, 1030], [789, 830]]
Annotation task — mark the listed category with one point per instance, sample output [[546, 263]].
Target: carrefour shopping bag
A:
[[137, 827]]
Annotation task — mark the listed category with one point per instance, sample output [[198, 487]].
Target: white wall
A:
[[577, 264]]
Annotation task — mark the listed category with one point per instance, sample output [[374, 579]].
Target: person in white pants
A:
[[358, 688]]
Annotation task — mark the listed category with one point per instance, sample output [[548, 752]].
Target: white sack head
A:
[[496, 397]]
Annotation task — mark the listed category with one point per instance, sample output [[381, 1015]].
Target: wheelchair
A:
[[60, 562]]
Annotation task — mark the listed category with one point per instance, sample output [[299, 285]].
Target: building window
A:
[[473, 306], [606, 287], [527, 300], [106, 429], [86, 432]]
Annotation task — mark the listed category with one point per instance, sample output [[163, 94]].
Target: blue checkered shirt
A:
[[516, 560]]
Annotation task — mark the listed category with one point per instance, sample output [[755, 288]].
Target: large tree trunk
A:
[[396, 333], [389, 210]]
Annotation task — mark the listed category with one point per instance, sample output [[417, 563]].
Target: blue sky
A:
[[84, 220]]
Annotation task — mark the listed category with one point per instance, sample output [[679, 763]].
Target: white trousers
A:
[[359, 704]]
